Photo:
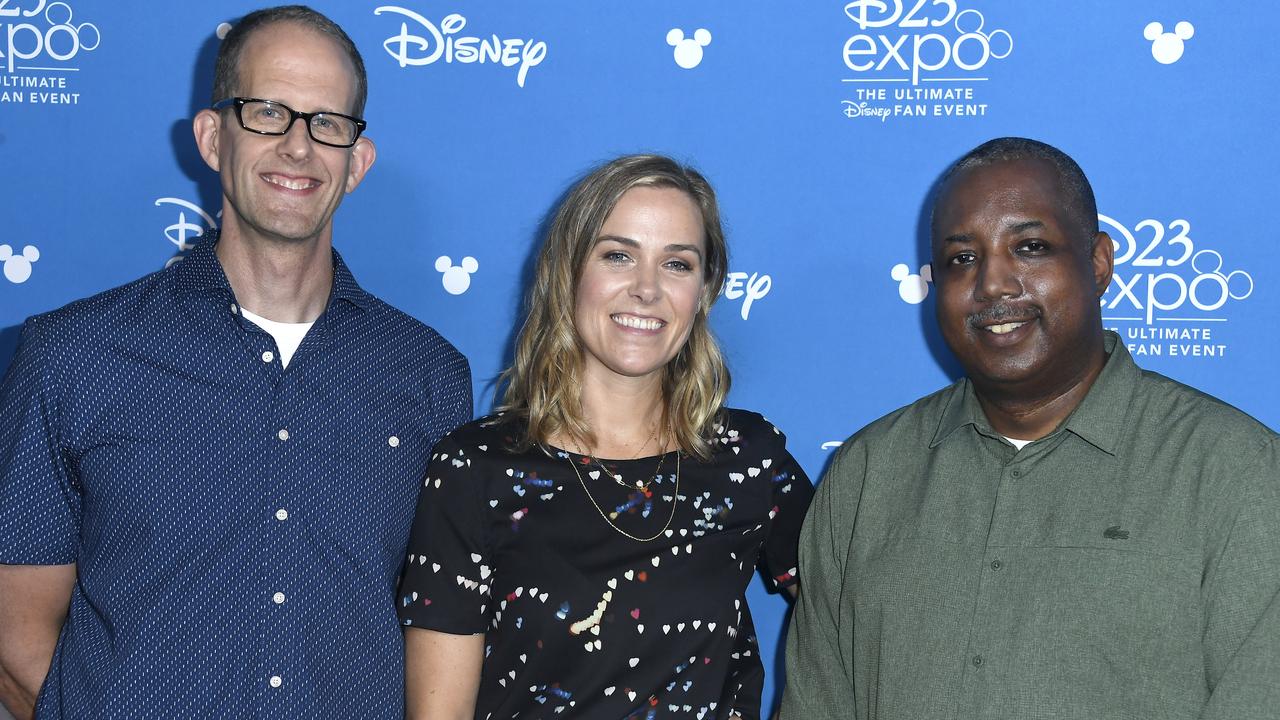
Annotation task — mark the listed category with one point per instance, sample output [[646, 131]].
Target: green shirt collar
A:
[[1099, 419]]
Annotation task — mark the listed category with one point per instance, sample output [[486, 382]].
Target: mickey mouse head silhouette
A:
[[912, 288], [1167, 47], [688, 51], [457, 278], [17, 268]]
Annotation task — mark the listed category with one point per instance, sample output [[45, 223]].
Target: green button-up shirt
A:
[[1125, 566]]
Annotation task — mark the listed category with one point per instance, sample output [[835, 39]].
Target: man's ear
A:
[[1102, 256], [207, 127], [362, 156]]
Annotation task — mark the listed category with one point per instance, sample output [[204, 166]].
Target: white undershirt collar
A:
[[1019, 444], [288, 336]]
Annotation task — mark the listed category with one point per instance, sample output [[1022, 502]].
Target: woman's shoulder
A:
[[737, 426], [746, 421], [498, 432]]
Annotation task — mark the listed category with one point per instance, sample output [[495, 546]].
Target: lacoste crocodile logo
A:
[[1115, 533]]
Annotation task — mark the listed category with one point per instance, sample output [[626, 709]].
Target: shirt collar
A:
[[345, 286], [1098, 419], [200, 271]]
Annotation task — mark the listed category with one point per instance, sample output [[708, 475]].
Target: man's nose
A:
[[998, 277], [296, 141]]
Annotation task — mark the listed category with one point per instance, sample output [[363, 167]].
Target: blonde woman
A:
[[584, 553]]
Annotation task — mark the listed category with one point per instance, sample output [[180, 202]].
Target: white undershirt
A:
[[1016, 442], [288, 336]]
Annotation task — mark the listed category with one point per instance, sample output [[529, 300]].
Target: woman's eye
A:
[[680, 265], [615, 256]]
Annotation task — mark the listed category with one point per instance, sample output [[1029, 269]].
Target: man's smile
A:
[[291, 183], [1003, 328]]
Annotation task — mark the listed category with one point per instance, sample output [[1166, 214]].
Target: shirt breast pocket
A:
[[376, 467], [1135, 590]]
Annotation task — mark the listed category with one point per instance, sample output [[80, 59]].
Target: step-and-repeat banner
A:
[[822, 124]]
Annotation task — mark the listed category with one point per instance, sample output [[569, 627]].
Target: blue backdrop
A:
[[822, 124]]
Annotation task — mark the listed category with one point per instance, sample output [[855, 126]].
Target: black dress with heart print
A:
[[582, 621]]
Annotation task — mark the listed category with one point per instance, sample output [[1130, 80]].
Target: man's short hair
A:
[[226, 73], [1079, 193]]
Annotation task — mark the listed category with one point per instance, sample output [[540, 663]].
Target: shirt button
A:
[[276, 681], [393, 441], [996, 565], [977, 661], [1017, 473], [278, 598], [283, 434], [268, 356], [234, 309], [282, 514]]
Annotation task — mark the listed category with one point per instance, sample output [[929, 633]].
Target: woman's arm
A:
[[441, 674]]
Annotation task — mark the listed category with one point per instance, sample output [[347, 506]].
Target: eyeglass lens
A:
[[275, 118]]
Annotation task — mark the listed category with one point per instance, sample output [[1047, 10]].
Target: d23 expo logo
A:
[[918, 58], [1169, 296], [40, 47]]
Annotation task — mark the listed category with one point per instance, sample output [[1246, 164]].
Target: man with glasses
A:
[[207, 475]]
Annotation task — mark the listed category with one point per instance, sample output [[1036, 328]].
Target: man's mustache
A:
[[1003, 312]]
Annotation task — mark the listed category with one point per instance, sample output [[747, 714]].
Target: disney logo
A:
[[441, 42], [180, 232], [738, 285], [862, 109]]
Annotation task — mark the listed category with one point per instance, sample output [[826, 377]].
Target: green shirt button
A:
[[977, 661], [996, 565]]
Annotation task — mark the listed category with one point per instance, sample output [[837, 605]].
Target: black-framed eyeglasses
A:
[[268, 117]]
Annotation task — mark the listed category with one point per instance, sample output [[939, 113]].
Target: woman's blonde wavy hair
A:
[[543, 382]]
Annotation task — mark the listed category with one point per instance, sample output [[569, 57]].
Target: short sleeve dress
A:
[[582, 621]]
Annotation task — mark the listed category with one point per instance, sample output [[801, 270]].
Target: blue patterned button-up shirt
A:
[[238, 527]]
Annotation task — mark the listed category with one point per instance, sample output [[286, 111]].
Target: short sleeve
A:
[[792, 493], [451, 386], [445, 584], [39, 502]]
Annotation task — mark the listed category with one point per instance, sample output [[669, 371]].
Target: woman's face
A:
[[641, 284]]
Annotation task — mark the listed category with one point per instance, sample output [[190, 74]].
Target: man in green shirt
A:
[[1060, 534]]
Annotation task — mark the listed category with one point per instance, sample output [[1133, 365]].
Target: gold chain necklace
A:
[[641, 485], [675, 500], [617, 477]]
